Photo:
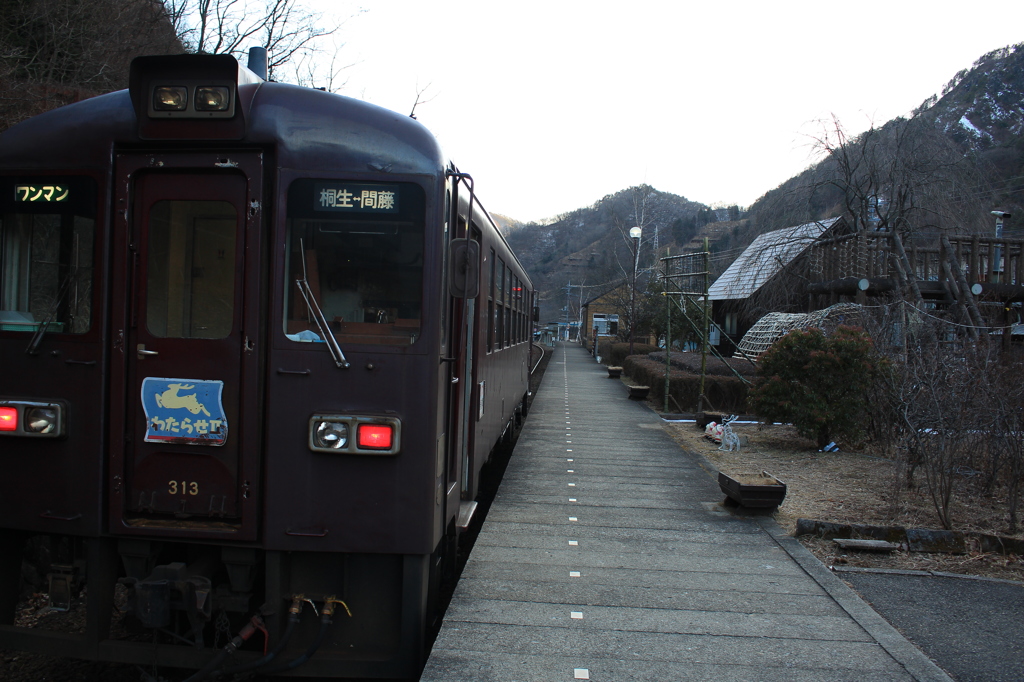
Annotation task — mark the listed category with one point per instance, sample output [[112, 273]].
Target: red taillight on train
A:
[[375, 436], [8, 419], [31, 418], [351, 434]]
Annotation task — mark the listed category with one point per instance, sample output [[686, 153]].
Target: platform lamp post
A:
[[634, 233], [996, 266]]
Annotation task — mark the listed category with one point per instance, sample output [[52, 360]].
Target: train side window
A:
[[508, 309], [363, 260], [47, 238], [491, 322], [499, 307], [516, 326]]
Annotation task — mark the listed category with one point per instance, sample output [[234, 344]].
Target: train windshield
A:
[[363, 260], [47, 235]]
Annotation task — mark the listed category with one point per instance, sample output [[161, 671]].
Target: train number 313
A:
[[183, 487]]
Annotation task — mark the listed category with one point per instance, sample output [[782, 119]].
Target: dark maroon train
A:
[[257, 342]]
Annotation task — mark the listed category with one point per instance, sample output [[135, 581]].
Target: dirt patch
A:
[[859, 488]]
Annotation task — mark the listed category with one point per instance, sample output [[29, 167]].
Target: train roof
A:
[[309, 129]]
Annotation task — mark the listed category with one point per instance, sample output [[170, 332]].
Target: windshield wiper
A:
[[37, 336], [318, 316]]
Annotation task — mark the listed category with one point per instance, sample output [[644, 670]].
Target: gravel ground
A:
[[854, 487]]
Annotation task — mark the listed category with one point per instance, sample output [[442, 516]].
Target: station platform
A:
[[606, 556]]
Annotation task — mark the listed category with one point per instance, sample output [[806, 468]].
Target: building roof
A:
[[611, 288], [764, 258]]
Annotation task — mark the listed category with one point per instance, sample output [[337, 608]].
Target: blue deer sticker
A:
[[187, 411]]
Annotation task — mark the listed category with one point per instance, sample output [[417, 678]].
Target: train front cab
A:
[[244, 392]]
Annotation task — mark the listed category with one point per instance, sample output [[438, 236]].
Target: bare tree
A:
[[321, 69], [954, 411], [903, 176], [420, 92], [289, 31], [54, 52]]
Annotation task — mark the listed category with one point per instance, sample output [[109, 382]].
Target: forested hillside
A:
[[56, 53], [947, 166], [591, 249], [958, 157]]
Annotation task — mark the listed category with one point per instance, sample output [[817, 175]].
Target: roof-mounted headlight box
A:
[[189, 96]]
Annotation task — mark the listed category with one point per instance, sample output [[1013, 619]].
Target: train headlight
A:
[[170, 98], [41, 419], [31, 418], [212, 98], [330, 435], [355, 434]]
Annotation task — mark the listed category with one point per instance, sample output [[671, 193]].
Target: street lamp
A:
[[997, 264], [634, 233]]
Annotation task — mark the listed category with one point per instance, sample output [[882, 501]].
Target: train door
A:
[[456, 360], [188, 455], [460, 358]]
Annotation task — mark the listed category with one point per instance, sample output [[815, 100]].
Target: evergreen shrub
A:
[[820, 384]]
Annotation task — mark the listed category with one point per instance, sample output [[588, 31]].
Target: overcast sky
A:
[[552, 104]]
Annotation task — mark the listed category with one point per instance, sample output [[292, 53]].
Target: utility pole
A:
[[668, 331], [704, 337], [568, 293]]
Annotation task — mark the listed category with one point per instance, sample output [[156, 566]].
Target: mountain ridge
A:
[[980, 112]]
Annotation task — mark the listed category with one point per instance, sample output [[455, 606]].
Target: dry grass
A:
[[852, 487]]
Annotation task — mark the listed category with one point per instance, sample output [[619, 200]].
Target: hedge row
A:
[[723, 394], [614, 353], [690, 362]]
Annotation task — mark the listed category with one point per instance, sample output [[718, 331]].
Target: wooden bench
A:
[[638, 392]]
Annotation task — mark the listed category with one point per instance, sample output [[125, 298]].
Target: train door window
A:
[[359, 246], [47, 240], [190, 286], [445, 302]]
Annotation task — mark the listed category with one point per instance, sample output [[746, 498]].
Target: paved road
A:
[[605, 556], [973, 628]]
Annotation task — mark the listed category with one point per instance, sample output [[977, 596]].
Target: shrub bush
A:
[[819, 383]]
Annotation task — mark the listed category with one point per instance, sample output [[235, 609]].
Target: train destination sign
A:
[[45, 194], [186, 411], [355, 198]]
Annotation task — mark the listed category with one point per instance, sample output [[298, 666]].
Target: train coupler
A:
[[169, 588], [62, 581]]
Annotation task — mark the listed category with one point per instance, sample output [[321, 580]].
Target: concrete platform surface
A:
[[606, 556]]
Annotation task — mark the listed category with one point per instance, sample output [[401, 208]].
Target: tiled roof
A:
[[768, 254]]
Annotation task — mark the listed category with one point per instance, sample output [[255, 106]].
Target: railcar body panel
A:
[[54, 484], [237, 370]]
